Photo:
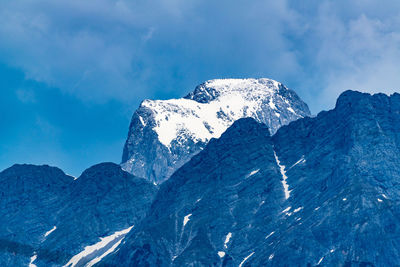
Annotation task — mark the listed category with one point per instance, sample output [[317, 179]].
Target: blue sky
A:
[[73, 72]]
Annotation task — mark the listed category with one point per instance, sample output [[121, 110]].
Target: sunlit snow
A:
[[50, 231], [301, 160], [298, 209], [227, 238], [284, 177], [33, 258], [269, 234], [252, 173], [286, 210], [245, 259], [104, 241], [142, 121], [237, 98], [186, 219]]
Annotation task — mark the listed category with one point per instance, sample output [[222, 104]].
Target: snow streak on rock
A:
[[284, 177], [94, 253]]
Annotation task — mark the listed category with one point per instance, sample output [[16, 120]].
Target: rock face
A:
[[225, 200], [165, 134], [347, 181], [31, 198], [50, 217], [321, 191]]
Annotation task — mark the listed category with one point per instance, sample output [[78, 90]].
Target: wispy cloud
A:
[[26, 95]]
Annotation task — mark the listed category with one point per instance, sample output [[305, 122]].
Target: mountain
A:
[[165, 134], [52, 219], [320, 191], [211, 210], [347, 182], [31, 199]]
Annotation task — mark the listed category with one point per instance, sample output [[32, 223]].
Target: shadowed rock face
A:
[[232, 186], [36, 199], [165, 134], [31, 199], [348, 185], [343, 172]]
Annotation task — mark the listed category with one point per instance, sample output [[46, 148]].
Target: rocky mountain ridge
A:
[[321, 191], [165, 134], [50, 218]]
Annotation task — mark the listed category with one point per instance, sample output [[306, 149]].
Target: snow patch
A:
[[271, 104], [186, 219], [301, 160], [252, 173], [182, 119], [50, 231], [227, 238], [75, 178], [284, 177], [33, 258], [273, 232], [298, 209], [245, 259], [99, 258], [221, 254], [286, 210], [142, 121], [90, 250]]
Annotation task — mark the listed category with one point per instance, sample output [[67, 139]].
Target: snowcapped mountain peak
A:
[[179, 128], [248, 88]]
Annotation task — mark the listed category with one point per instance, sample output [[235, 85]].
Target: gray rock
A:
[[48, 214], [232, 186], [342, 169]]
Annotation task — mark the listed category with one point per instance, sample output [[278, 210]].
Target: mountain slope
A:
[[31, 198], [347, 183], [322, 191], [103, 200], [50, 219], [215, 208], [164, 134]]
